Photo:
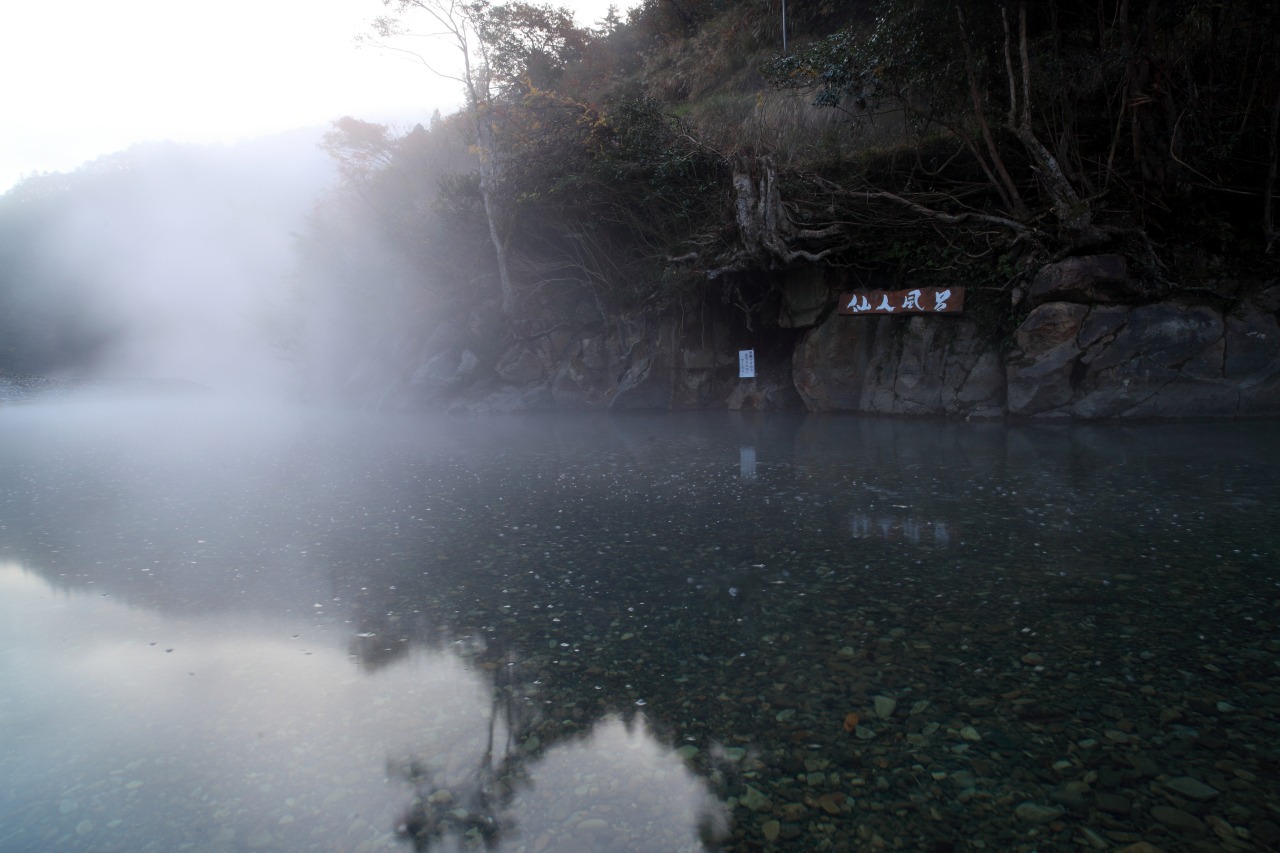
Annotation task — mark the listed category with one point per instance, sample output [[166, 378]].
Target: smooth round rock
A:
[[1193, 788], [1036, 813], [1178, 819]]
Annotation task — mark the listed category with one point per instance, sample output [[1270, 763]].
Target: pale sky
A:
[[83, 78]]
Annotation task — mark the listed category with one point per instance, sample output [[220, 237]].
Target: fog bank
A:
[[165, 261]]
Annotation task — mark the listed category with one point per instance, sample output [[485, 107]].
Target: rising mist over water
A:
[[164, 261], [299, 630]]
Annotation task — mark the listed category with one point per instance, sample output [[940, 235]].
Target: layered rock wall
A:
[[887, 365], [1094, 345], [1092, 342]]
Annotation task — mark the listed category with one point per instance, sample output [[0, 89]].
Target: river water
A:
[[227, 629]]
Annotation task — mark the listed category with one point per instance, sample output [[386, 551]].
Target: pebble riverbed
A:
[[681, 633]]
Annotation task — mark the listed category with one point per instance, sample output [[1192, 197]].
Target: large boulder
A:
[[645, 385], [772, 389], [1163, 359], [523, 364], [676, 364], [1095, 345], [1042, 372], [1091, 279], [805, 296], [577, 386], [1251, 357], [920, 365]]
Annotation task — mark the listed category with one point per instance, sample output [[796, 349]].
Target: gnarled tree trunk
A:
[[767, 235]]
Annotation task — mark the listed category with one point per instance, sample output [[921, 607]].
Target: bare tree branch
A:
[[457, 24], [1007, 188], [927, 212]]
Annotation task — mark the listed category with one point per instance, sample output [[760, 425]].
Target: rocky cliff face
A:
[[916, 365], [1094, 343], [684, 356]]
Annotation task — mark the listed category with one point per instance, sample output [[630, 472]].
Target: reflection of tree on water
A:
[[471, 809], [474, 808], [435, 814], [583, 646]]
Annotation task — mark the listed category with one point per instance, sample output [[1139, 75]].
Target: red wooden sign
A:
[[918, 300]]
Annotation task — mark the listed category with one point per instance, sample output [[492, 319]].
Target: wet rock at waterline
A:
[[899, 365], [1086, 339], [1158, 360], [1097, 344]]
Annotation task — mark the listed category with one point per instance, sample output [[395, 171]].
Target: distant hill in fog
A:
[[162, 260]]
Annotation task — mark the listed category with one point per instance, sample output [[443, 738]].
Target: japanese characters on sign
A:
[[918, 300], [746, 363]]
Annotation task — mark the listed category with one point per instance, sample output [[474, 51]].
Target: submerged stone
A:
[[755, 800], [1035, 813], [1193, 788], [1178, 819]]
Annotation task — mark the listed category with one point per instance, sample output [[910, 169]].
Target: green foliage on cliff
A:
[[909, 139], [1142, 108]]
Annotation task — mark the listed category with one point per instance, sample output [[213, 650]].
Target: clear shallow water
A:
[[228, 630]]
